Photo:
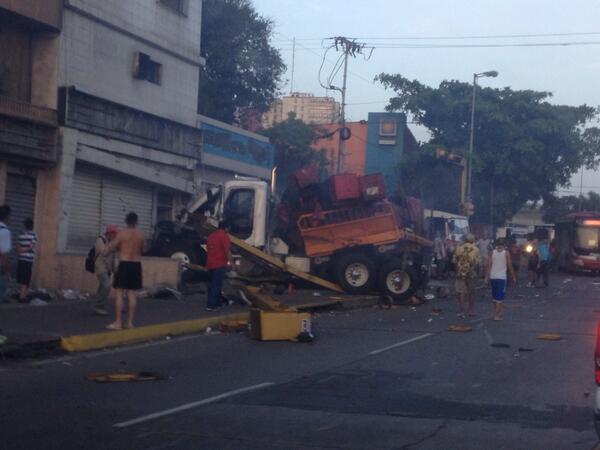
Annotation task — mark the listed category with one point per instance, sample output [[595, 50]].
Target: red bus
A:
[[577, 237]]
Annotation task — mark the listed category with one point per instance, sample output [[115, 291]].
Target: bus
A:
[[577, 237]]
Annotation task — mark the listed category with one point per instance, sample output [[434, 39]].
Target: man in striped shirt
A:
[[27, 243]]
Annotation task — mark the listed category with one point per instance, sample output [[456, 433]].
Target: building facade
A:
[[375, 145], [128, 83], [29, 36], [306, 107], [98, 117]]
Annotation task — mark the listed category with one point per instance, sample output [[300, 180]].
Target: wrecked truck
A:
[[344, 229]]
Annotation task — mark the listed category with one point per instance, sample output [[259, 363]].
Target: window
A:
[[164, 206], [146, 69], [179, 6], [239, 212]]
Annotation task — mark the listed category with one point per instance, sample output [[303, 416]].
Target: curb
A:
[[95, 341]]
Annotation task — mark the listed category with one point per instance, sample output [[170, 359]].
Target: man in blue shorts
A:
[[499, 264]]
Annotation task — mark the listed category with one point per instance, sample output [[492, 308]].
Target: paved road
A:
[[374, 379]]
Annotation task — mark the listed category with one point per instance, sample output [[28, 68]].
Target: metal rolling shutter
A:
[[20, 196], [121, 195], [84, 218]]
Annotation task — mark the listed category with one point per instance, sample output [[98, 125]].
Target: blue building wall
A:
[[384, 152]]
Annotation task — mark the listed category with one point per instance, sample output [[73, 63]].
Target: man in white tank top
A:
[[499, 264]]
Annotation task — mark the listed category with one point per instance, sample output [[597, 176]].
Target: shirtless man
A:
[[130, 244]]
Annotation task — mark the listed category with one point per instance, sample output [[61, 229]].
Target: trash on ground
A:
[[38, 302], [429, 320], [335, 298], [567, 280], [119, 377], [316, 294], [208, 329], [460, 328], [3, 340], [70, 294], [436, 311], [429, 296], [500, 345], [549, 337]]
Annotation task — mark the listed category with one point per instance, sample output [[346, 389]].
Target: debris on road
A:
[[429, 296], [119, 377], [567, 280], [549, 337], [38, 302], [460, 328]]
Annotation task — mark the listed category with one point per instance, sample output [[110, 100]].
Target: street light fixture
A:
[[492, 74]]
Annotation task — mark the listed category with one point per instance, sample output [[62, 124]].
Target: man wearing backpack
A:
[[104, 264]]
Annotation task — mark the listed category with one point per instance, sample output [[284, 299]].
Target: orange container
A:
[[340, 228]]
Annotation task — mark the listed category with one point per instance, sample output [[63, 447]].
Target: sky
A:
[[570, 72]]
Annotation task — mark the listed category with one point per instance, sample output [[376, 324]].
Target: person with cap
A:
[[104, 268], [466, 259]]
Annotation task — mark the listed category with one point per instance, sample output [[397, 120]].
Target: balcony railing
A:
[[27, 111]]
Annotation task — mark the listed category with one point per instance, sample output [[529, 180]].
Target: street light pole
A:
[[490, 73]]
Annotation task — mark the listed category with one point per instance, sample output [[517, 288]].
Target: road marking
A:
[[400, 344], [187, 406]]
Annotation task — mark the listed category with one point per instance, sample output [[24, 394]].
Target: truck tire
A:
[[397, 282], [355, 273]]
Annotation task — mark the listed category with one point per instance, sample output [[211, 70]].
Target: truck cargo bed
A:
[[327, 231]]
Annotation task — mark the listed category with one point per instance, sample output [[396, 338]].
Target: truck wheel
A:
[[355, 273], [397, 282]]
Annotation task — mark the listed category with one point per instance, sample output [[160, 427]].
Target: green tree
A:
[[556, 207], [243, 70], [293, 140], [524, 148]]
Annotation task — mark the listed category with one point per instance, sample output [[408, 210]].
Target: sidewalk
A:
[[73, 321]]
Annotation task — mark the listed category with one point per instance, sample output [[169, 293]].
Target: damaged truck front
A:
[[343, 229]]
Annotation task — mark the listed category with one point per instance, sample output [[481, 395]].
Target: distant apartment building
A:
[[306, 107]]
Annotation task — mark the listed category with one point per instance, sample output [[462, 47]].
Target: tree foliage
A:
[[293, 140], [242, 70], [524, 146], [557, 207]]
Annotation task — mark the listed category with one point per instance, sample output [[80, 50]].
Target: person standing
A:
[[515, 256], [439, 249], [543, 267], [5, 248], [130, 244], [532, 261], [499, 264], [103, 269], [26, 249], [466, 259], [218, 249], [483, 244]]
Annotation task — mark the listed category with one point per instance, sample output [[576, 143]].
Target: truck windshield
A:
[[588, 237], [239, 212]]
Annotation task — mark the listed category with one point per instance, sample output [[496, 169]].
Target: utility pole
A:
[[342, 145], [349, 48], [293, 63]]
